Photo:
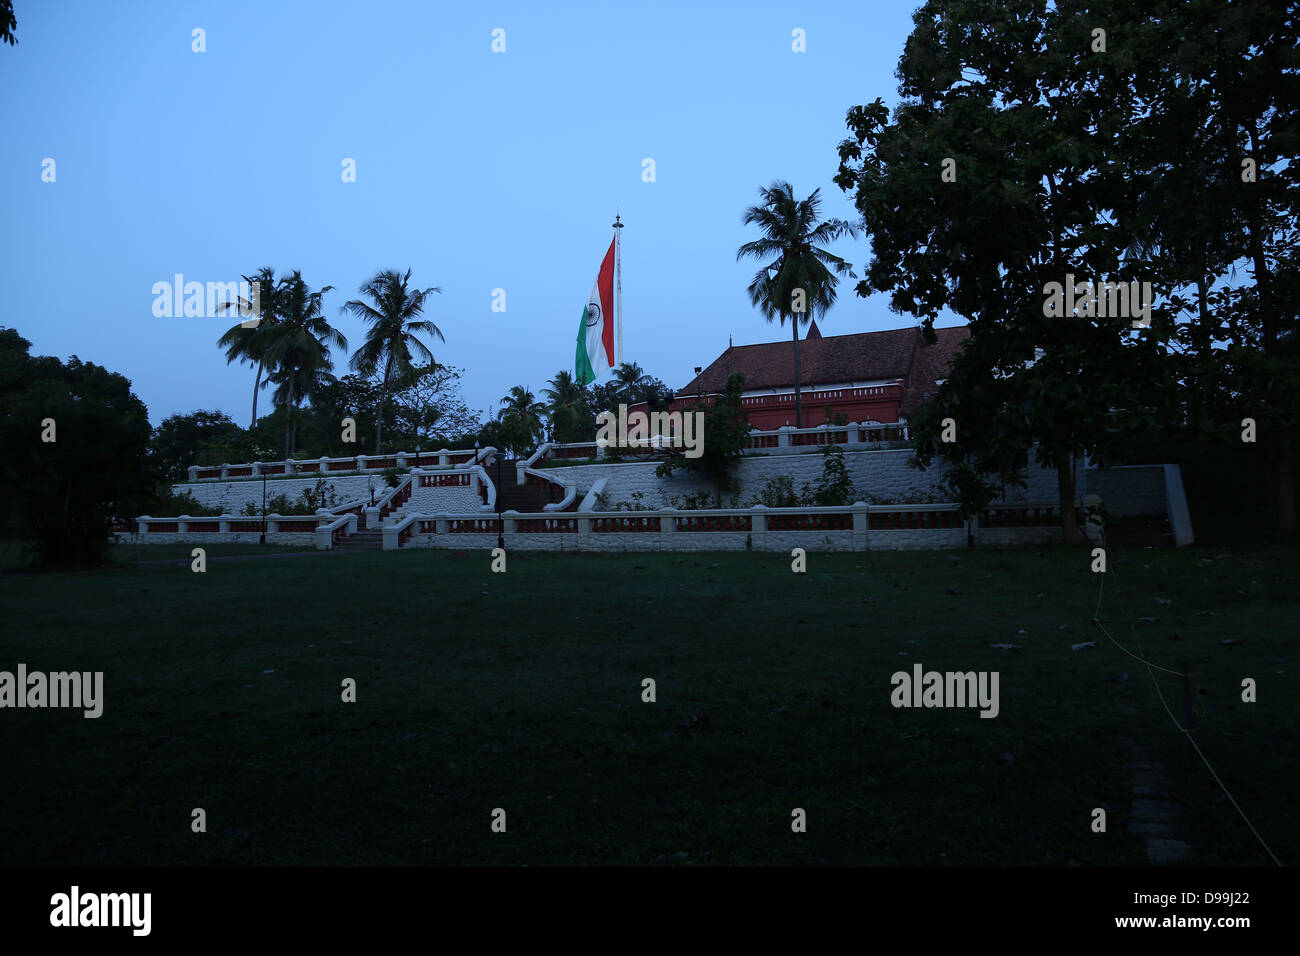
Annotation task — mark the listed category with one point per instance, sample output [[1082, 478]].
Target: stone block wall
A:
[[1129, 490], [305, 540], [232, 496], [875, 474]]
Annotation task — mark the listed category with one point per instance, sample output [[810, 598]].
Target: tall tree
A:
[[1000, 175], [566, 401], [520, 417], [300, 347], [184, 440], [801, 279], [428, 405], [8, 22], [629, 379], [75, 439], [249, 343], [1212, 150], [727, 426], [391, 339]]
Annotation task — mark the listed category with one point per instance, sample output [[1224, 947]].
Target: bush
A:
[[696, 501], [636, 504], [304, 504], [778, 492], [321, 495], [184, 503], [834, 488], [392, 477]]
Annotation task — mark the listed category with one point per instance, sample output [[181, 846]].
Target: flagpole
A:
[[618, 282]]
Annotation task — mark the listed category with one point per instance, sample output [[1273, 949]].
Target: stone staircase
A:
[[528, 497], [361, 541]]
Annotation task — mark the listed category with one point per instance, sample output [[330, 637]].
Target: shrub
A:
[[183, 503], [778, 492], [834, 488], [321, 495], [693, 502], [636, 504], [833, 417]]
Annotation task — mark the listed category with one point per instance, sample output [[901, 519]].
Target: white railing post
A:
[[667, 526], [860, 524]]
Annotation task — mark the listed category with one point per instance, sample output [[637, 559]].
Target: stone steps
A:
[[361, 541]]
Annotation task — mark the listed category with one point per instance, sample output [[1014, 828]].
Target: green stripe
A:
[[582, 369]]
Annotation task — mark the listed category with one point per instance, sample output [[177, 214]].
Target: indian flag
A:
[[596, 330]]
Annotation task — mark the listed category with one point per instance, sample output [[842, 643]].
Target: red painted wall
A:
[[768, 412]]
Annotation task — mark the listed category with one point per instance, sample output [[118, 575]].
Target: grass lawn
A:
[[523, 691]]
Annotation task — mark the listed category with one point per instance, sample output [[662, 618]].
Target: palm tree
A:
[[248, 344], [299, 346], [393, 325], [793, 234], [629, 380], [521, 410], [566, 402], [564, 391]]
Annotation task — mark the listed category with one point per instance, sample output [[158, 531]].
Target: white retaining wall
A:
[[305, 539], [780, 541], [882, 474], [232, 496], [1128, 490]]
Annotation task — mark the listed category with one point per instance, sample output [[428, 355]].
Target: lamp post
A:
[[262, 539]]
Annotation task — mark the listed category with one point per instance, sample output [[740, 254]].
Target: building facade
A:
[[865, 376]]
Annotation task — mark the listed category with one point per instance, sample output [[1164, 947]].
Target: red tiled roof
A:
[[828, 360]]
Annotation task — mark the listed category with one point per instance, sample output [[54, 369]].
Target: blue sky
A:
[[478, 170]]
